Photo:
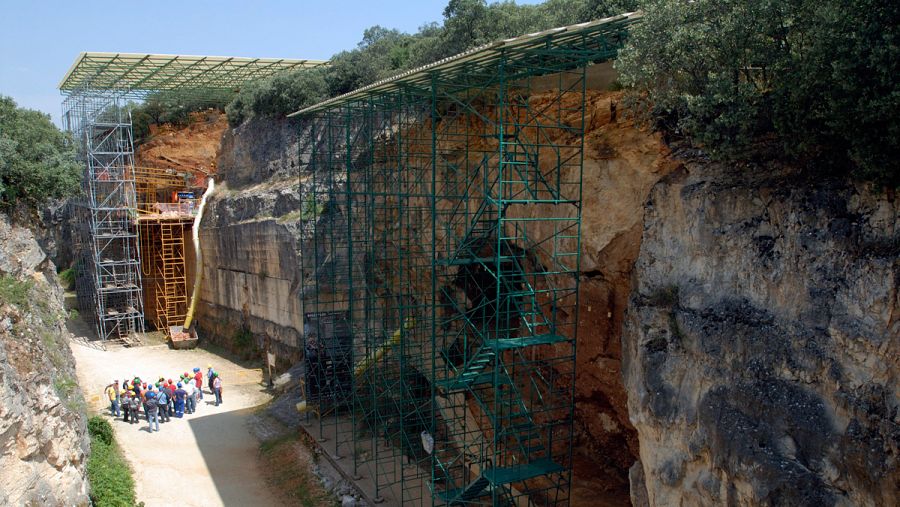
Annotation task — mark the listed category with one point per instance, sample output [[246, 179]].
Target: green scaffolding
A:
[[440, 271]]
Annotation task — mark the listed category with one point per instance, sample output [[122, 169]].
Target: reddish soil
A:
[[190, 149]]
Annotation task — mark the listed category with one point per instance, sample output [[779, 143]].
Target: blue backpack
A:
[[161, 398]]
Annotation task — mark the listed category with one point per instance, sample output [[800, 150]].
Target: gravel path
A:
[[205, 459]]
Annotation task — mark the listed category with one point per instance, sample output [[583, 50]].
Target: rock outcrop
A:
[[761, 346], [43, 442]]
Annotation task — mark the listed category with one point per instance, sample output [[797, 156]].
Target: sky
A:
[[40, 39]]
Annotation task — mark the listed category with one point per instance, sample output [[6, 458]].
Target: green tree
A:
[[37, 160], [384, 52], [817, 77]]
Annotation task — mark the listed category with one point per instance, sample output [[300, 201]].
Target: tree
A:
[[384, 52], [37, 160], [816, 76]]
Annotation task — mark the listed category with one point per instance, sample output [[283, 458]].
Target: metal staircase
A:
[[520, 447]]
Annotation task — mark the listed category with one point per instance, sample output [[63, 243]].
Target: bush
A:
[[168, 108], [110, 477], [818, 77], [278, 95], [67, 278], [37, 160], [99, 428]]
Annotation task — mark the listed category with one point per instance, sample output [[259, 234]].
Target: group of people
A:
[[160, 401]]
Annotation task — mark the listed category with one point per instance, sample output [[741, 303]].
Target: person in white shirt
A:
[[190, 402]]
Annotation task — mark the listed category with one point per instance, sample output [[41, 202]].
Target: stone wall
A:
[[761, 348]]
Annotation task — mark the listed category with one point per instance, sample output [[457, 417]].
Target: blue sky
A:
[[41, 39]]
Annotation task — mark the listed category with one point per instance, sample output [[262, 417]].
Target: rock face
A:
[[249, 238], [43, 442], [761, 346]]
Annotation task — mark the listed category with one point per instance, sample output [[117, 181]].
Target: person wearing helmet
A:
[[135, 406], [112, 391], [198, 379], [152, 410], [126, 405], [180, 396], [190, 401], [145, 401], [170, 389]]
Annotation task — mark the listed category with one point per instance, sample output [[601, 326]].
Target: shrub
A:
[[37, 160], [110, 477], [243, 339], [67, 278], [278, 95], [168, 108], [99, 428]]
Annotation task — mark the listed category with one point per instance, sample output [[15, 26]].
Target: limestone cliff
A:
[[761, 346], [249, 237], [43, 440]]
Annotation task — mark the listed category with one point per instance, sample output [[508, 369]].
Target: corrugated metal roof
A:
[[156, 72]]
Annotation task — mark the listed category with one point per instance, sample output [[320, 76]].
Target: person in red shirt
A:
[[198, 378], [170, 388]]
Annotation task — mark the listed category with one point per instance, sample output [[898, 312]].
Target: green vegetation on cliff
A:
[[172, 108], [37, 160], [812, 80]]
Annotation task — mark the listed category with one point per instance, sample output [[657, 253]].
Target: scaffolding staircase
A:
[[493, 241], [171, 281]]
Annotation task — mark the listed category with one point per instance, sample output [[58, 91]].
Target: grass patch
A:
[[289, 471], [14, 292], [293, 216], [311, 209], [112, 483]]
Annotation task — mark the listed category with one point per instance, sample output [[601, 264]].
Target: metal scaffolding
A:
[[97, 89], [109, 277], [440, 263]]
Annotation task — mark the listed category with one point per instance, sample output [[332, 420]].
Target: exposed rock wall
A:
[[761, 345], [43, 442], [249, 238]]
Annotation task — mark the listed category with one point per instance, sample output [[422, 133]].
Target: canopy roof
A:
[[543, 52], [133, 72]]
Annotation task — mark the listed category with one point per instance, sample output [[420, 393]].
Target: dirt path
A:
[[208, 458]]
